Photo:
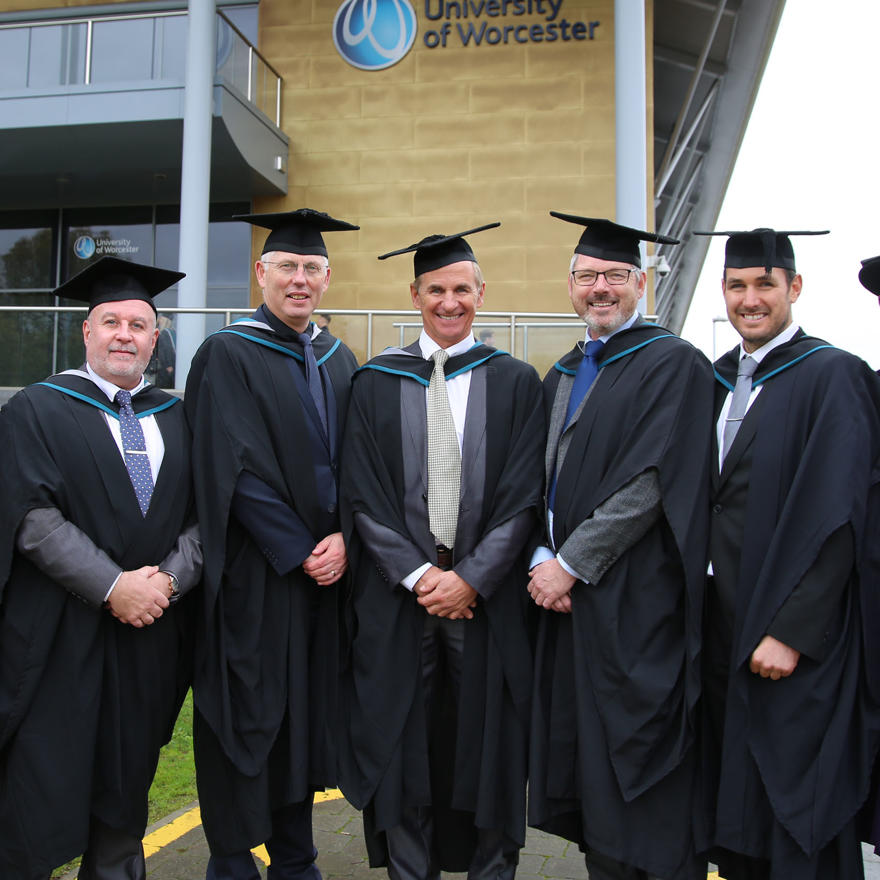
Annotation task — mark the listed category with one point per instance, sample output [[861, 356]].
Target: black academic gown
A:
[[613, 763], [85, 701], [267, 644], [471, 769], [799, 490]]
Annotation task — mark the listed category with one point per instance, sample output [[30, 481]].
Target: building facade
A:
[[406, 118]]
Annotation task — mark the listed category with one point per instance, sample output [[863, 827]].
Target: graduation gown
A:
[[267, 641], [796, 756], [85, 701], [470, 769], [613, 764]]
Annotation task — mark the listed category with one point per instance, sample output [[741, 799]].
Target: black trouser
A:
[[410, 844], [291, 850], [112, 854]]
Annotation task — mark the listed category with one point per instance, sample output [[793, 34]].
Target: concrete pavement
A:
[[176, 849]]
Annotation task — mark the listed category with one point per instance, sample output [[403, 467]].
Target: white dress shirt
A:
[[758, 355], [152, 435], [458, 389]]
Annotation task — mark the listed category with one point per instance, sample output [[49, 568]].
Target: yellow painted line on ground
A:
[[185, 823], [175, 829]]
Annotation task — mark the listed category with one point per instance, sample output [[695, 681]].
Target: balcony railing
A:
[[98, 50], [537, 337]]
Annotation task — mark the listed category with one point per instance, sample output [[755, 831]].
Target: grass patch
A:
[[175, 783]]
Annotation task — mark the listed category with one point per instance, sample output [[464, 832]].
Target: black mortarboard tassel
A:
[[297, 232], [437, 251]]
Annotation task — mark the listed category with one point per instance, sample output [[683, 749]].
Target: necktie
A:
[[313, 377], [739, 403], [444, 458], [585, 376], [134, 449]]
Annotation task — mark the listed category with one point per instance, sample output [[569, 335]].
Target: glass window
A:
[[229, 258], [34, 345], [57, 55], [126, 233], [169, 60], [26, 249], [122, 50], [13, 58], [25, 255]]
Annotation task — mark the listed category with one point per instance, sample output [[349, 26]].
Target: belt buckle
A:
[[444, 557]]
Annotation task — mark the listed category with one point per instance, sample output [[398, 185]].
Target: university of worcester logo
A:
[[84, 247], [374, 34]]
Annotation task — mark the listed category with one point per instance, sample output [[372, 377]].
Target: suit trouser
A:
[[410, 844], [112, 854], [291, 850]]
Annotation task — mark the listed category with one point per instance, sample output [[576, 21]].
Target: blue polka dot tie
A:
[[135, 451]]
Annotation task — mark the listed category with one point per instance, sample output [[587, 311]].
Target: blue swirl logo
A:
[[84, 247], [374, 34]]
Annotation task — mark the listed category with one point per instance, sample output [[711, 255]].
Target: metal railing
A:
[[537, 337], [92, 50]]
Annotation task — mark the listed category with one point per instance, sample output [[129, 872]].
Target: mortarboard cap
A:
[[111, 279], [296, 232], [607, 240], [869, 275], [760, 247], [437, 251]]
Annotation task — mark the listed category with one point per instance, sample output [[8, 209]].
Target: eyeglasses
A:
[[313, 270], [614, 277]]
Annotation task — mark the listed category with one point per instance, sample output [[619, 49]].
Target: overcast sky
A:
[[810, 159]]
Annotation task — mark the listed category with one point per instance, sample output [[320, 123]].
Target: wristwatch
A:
[[175, 587]]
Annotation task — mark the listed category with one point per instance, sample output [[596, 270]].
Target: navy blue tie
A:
[[134, 449], [585, 376], [313, 378]]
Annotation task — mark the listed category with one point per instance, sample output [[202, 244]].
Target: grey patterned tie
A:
[[739, 403], [444, 458], [135, 451], [313, 378]]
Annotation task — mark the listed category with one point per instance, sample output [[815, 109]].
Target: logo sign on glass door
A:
[[374, 34]]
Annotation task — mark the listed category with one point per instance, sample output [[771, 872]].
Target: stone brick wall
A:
[[449, 138]]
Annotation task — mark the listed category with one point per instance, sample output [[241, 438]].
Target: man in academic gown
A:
[[266, 399], [620, 580], [97, 547], [440, 489], [790, 687]]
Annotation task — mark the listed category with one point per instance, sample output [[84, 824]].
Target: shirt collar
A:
[[108, 387], [780, 339], [624, 326], [428, 346]]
